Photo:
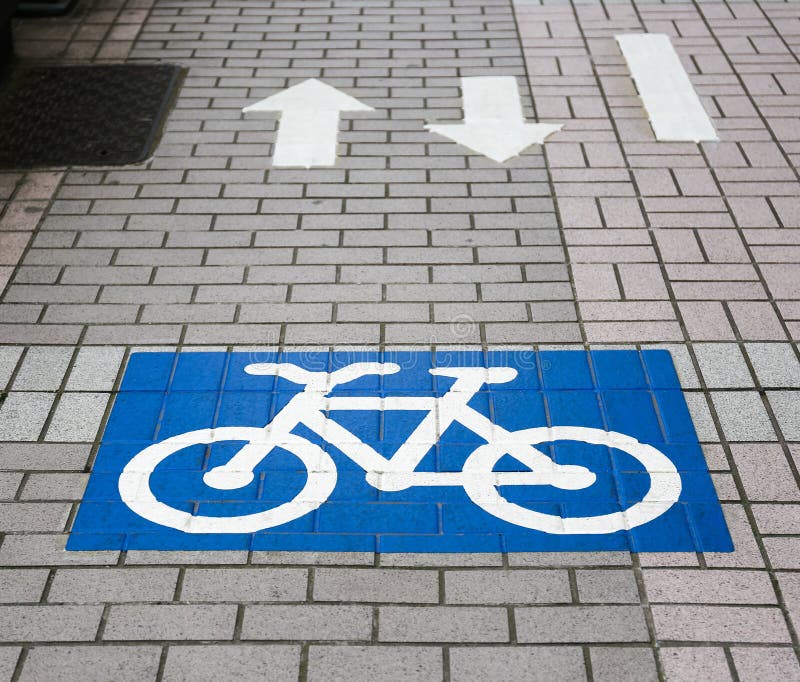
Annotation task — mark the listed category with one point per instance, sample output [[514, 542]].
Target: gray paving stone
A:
[[77, 417], [457, 560], [546, 624], [244, 585], [91, 663], [748, 553], [781, 519], [790, 590], [244, 662], [519, 586], [54, 486], [539, 663], [786, 407], [775, 364], [255, 256], [719, 624], [95, 369], [445, 312], [242, 293], [9, 357], [308, 621], [708, 586], [765, 472], [760, 663], [722, 365], [150, 293], [701, 417], [170, 621], [218, 334], [45, 293], [383, 274], [42, 369], [8, 661], [96, 313], [160, 257], [117, 274], [158, 334], [99, 585], [743, 416], [383, 312], [22, 585], [286, 312], [20, 313], [180, 313], [623, 663], [9, 484], [701, 662], [565, 559], [219, 274], [73, 256], [376, 585], [783, 552], [281, 274], [49, 623], [157, 557], [442, 624], [476, 273], [43, 456], [17, 517], [338, 293], [116, 239], [374, 663], [607, 587]]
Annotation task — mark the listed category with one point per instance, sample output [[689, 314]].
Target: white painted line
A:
[[672, 104], [493, 122], [309, 122]]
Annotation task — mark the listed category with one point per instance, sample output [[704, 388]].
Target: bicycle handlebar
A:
[[298, 375]]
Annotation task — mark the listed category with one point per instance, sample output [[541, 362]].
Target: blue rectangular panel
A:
[[457, 451]]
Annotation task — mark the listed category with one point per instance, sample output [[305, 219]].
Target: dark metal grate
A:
[[84, 115]]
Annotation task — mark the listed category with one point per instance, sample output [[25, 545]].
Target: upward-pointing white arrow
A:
[[493, 122], [309, 122]]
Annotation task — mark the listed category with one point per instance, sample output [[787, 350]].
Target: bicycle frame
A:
[[309, 407]]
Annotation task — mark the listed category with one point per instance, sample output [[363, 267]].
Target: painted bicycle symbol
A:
[[311, 406]]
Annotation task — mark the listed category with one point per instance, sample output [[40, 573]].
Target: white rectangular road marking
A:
[[671, 102]]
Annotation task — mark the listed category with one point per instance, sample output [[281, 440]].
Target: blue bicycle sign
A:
[[460, 451]]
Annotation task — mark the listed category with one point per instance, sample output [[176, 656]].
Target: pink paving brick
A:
[[788, 210], [579, 212], [706, 321], [752, 212], [679, 246], [642, 281], [621, 212], [723, 246], [595, 282]]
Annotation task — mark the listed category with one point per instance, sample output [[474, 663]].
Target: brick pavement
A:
[[606, 237]]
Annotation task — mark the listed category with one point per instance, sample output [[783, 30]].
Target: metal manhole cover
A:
[[84, 115]]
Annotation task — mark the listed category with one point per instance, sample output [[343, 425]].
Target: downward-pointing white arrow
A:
[[493, 122], [309, 122]]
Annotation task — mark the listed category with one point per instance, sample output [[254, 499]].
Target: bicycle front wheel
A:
[[481, 483], [136, 492]]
